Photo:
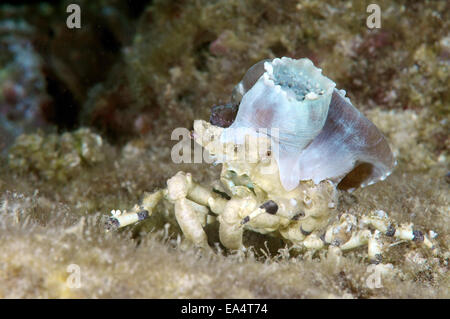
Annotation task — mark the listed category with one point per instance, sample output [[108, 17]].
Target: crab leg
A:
[[230, 232], [381, 222], [313, 242], [269, 207], [182, 182], [190, 223], [179, 185], [244, 211], [137, 213]]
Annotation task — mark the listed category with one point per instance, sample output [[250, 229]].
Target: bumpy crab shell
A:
[[320, 134]]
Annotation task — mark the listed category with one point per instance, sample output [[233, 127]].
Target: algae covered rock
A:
[[56, 157]]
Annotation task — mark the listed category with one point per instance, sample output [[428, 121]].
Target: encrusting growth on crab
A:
[[259, 193]]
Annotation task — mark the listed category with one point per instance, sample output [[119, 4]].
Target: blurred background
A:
[[86, 115]]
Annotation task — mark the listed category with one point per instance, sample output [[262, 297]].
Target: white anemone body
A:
[[316, 133], [289, 103]]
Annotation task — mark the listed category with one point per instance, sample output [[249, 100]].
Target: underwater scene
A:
[[224, 149]]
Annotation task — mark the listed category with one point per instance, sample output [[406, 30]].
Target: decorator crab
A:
[[294, 139]]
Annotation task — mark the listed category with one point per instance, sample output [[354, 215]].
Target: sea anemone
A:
[[319, 136]]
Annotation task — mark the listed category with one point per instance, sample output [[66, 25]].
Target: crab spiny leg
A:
[[150, 200], [407, 232], [198, 193], [206, 197], [122, 219], [231, 228], [429, 242], [293, 233], [178, 188], [138, 212], [375, 247], [190, 223], [313, 242], [231, 235], [340, 232], [310, 224], [269, 207], [202, 212], [366, 237], [380, 221], [359, 238]]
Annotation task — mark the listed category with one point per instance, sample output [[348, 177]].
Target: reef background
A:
[[97, 106]]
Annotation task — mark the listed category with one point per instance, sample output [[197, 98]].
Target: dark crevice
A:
[[65, 112], [201, 49], [356, 177]]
